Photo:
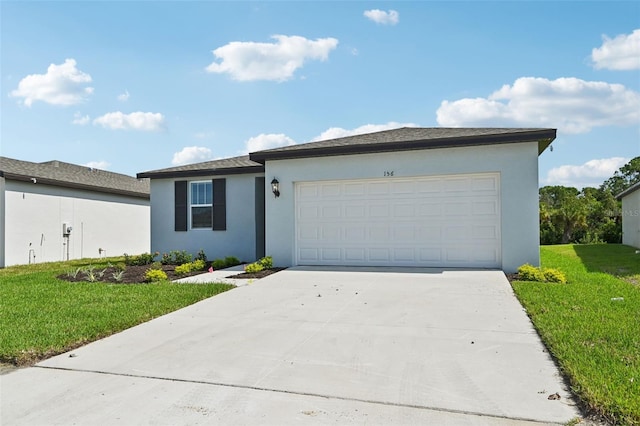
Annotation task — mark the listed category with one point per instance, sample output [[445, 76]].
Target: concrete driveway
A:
[[312, 346]]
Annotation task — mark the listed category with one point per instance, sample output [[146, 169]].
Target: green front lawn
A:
[[594, 336], [41, 316]]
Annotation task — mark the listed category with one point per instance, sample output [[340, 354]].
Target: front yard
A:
[[41, 315], [592, 324]]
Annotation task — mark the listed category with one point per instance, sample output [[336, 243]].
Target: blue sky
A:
[[135, 86]]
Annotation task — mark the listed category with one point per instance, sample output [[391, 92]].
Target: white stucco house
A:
[[56, 211], [631, 215], [427, 197]]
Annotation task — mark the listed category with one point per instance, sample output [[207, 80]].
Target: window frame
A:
[[191, 205]]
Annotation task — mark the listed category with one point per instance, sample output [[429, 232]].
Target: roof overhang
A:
[[73, 185], [543, 137], [201, 172]]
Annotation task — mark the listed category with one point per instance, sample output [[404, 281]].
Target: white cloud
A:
[[191, 154], [339, 132], [592, 173], [378, 16], [102, 165], [124, 97], [267, 141], [145, 121], [619, 53], [63, 84], [569, 104], [80, 119], [247, 61]]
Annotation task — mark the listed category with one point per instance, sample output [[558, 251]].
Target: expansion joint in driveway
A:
[[311, 394]]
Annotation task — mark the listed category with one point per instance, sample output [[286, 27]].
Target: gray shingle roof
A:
[[409, 138], [225, 166], [68, 175]]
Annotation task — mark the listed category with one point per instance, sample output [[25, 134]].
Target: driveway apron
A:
[[314, 345]]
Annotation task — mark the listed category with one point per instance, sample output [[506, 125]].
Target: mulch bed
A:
[[135, 274], [132, 274], [261, 274]]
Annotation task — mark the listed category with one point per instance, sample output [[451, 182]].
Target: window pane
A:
[[201, 193], [201, 217], [208, 193]]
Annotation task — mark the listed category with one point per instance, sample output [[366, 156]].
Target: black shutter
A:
[[181, 208], [219, 204]]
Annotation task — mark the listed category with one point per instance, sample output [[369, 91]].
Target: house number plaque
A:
[[387, 173]]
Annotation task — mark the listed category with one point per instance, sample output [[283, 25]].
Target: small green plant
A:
[[141, 259], [176, 257], [156, 265], [184, 269], [155, 275], [528, 272], [198, 265], [90, 274], [219, 264], [266, 262], [554, 275], [118, 275], [201, 256], [73, 273], [231, 261], [253, 268]]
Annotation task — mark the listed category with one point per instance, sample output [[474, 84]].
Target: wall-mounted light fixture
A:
[[275, 187]]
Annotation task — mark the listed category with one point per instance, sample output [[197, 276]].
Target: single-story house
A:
[[631, 215], [56, 211], [427, 197]]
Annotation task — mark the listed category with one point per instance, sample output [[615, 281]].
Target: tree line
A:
[[590, 215]]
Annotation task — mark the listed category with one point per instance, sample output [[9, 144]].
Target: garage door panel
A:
[[378, 188], [308, 232], [331, 254], [354, 189], [355, 254], [484, 208], [429, 210], [424, 221], [308, 255], [379, 255], [355, 211]]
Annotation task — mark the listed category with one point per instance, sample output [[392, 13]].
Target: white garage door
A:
[[438, 221]]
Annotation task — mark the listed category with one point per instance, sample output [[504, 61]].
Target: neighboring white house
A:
[[428, 197], [55, 211], [631, 215]]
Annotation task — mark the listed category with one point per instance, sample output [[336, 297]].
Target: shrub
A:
[[219, 264], [231, 261], [155, 275], [176, 257], [253, 268], [528, 272], [201, 256], [156, 265], [141, 259], [183, 269], [554, 276], [198, 265], [266, 262]]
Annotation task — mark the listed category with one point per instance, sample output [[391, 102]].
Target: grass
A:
[[41, 316], [596, 340]]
